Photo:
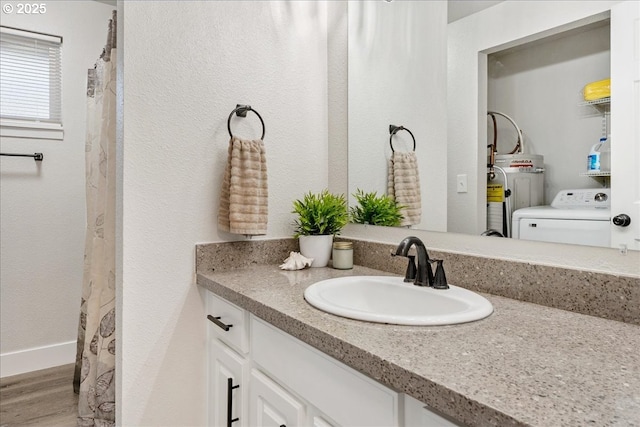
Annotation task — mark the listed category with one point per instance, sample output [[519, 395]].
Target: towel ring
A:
[[393, 130], [241, 111]]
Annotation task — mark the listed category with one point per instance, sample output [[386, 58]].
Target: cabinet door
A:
[[625, 132], [271, 406], [227, 386]]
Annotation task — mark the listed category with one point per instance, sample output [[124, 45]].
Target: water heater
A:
[[525, 182]]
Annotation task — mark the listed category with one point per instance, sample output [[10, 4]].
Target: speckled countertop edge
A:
[[524, 365]]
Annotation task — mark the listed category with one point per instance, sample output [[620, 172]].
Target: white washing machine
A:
[[580, 217]]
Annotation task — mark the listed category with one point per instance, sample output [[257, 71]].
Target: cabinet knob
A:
[[621, 220]]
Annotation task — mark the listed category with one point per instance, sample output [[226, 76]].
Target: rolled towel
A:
[[244, 194], [403, 185]]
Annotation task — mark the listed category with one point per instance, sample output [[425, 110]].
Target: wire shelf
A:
[[601, 101], [596, 173]]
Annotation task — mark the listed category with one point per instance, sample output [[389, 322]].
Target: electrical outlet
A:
[[461, 186]]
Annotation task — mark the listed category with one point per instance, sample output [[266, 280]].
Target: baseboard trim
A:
[[34, 359]]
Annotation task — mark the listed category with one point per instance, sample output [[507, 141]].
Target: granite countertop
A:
[[525, 364]]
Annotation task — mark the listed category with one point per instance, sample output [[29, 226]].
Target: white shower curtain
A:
[[94, 378]]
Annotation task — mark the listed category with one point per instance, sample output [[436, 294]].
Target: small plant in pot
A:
[[376, 210], [320, 217]]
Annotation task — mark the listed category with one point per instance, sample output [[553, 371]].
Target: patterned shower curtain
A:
[[94, 377]]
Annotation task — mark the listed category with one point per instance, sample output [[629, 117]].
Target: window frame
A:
[[31, 127]]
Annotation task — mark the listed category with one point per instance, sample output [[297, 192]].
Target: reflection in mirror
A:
[[397, 76], [532, 74]]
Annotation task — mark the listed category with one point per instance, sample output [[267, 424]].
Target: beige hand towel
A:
[[403, 185], [244, 195]]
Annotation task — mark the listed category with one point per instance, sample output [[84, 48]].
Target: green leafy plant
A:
[[320, 214], [376, 210]]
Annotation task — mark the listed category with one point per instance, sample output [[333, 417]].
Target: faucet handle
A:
[[412, 270], [440, 279]]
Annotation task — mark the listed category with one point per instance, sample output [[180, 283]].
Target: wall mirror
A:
[[409, 66]]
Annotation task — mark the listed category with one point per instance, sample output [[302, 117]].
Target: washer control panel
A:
[[591, 198]]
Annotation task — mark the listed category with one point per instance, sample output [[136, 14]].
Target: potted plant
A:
[[376, 210], [320, 217]]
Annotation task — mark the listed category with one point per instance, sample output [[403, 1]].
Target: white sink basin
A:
[[388, 299]]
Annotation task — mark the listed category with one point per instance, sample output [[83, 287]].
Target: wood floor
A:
[[42, 398]]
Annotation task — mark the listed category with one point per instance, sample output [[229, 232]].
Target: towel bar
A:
[[241, 111], [38, 157], [393, 129]]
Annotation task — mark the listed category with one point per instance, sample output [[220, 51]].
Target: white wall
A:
[[397, 75], [540, 87], [43, 205], [469, 42], [186, 66]]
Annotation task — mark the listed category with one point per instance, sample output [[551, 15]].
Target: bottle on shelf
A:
[[593, 159]]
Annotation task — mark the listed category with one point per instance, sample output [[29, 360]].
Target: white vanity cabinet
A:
[[282, 381]]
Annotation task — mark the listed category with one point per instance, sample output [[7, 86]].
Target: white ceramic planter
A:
[[318, 248]]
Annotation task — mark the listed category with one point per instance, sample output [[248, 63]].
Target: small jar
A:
[[343, 255]]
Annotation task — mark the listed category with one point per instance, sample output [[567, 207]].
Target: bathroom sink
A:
[[388, 299]]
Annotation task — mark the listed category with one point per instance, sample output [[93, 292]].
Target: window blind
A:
[[30, 77]]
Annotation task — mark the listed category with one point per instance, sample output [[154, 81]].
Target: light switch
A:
[[461, 186]]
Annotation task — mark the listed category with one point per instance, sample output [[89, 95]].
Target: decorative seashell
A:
[[296, 261]]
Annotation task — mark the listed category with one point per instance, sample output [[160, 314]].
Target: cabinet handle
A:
[[218, 322], [230, 388]]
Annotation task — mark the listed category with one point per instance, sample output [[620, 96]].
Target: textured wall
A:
[[186, 66], [43, 204]]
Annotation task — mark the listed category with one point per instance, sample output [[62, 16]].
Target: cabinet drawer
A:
[[228, 322], [345, 395]]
